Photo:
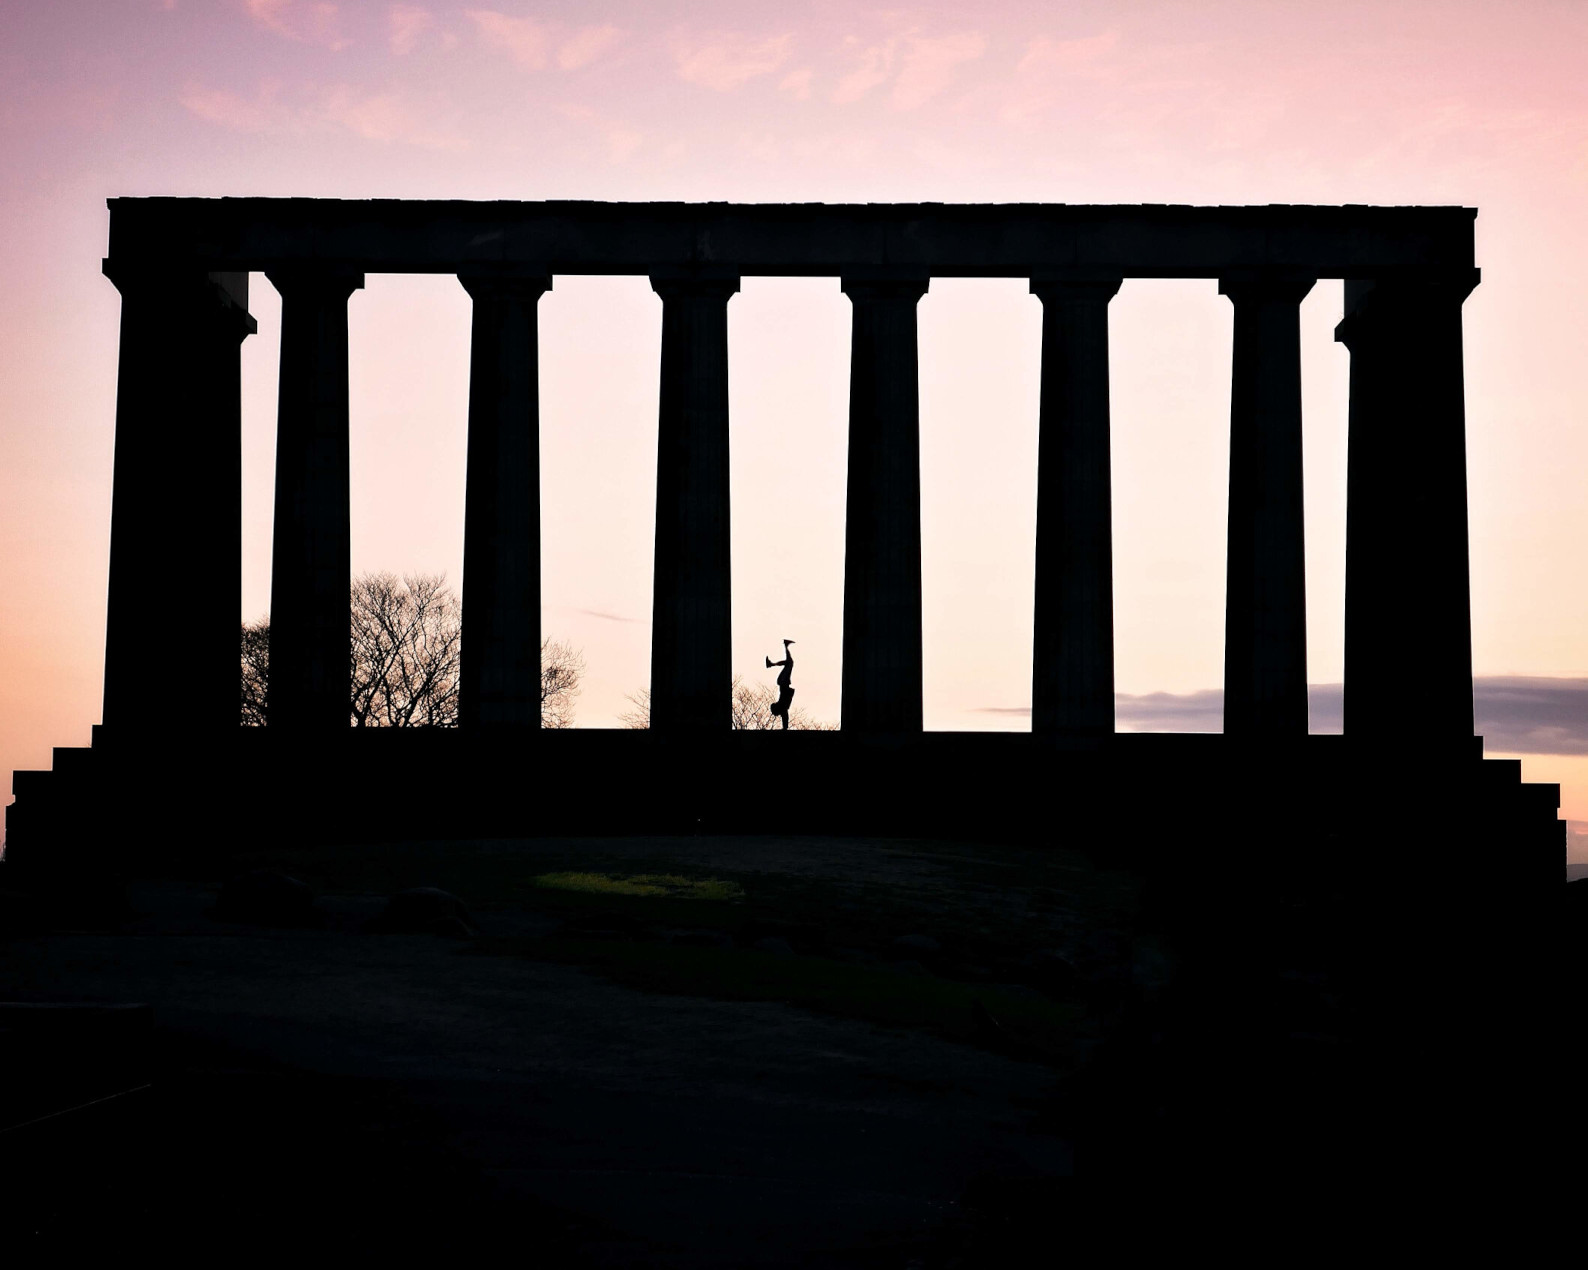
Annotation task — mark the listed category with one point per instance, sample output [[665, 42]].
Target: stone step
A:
[[32, 783], [72, 758], [1496, 772], [1539, 799]]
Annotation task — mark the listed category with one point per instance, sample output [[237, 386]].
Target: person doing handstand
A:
[[785, 690]]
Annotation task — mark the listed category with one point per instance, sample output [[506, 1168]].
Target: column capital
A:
[[486, 283], [223, 294], [695, 286], [169, 275], [1442, 283], [1369, 298], [1261, 286], [871, 288], [1075, 289], [327, 280]]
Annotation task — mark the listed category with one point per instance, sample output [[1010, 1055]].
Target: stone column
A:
[[882, 530], [176, 515], [692, 612], [310, 566], [500, 655], [1072, 682], [1408, 619], [1265, 603]]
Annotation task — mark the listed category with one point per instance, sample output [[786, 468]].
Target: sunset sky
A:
[[1480, 104]]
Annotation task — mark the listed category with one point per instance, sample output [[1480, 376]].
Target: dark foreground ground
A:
[[801, 1052], [607, 1079]]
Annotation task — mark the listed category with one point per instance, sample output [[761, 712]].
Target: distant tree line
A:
[[403, 647]]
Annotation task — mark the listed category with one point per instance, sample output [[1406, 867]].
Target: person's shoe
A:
[[769, 663]]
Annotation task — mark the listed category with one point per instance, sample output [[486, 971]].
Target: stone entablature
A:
[[1010, 240]]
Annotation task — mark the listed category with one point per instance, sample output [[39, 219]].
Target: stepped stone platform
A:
[[1136, 798]]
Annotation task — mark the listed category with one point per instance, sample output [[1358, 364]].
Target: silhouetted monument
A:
[[785, 686], [182, 266]]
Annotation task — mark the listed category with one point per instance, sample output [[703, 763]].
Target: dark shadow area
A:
[[212, 1151], [718, 1050]]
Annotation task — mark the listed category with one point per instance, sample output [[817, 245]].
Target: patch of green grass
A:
[[671, 885], [1032, 1027]]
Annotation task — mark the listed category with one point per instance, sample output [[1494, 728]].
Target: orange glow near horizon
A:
[[1239, 102]]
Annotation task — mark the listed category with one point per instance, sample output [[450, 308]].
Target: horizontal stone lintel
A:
[[1015, 240]]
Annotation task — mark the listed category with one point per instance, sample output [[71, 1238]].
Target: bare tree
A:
[[561, 669], [256, 672], [404, 651], [639, 718], [751, 710], [404, 642]]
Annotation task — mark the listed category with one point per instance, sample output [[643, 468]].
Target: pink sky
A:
[[1477, 103]]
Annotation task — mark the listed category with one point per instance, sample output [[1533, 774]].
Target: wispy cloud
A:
[[1158, 711], [872, 65], [724, 62], [920, 66], [620, 139], [931, 64], [531, 42], [586, 45], [526, 40], [797, 84], [610, 617], [1177, 712], [1526, 714], [1090, 56], [381, 117], [1051, 71], [406, 26], [1516, 714], [308, 23], [385, 117], [261, 113]]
